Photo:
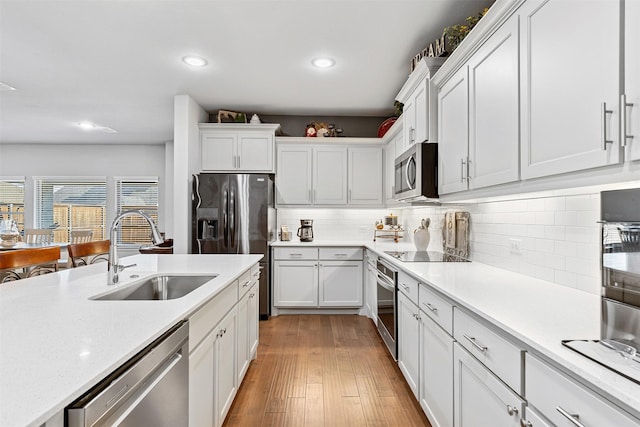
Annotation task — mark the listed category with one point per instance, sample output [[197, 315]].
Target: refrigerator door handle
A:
[[225, 223], [196, 191], [232, 217]]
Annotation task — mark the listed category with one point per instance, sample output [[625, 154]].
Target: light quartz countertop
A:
[[56, 343], [537, 313]]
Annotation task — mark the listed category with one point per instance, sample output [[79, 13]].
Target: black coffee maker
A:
[[305, 231]]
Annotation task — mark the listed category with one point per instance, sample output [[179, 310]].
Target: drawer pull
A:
[[512, 410], [295, 254], [525, 423], [405, 287], [340, 254], [571, 417], [472, 340], [246, 283], [430, 307]]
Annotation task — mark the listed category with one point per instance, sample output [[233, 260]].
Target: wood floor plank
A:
[[323, 370]]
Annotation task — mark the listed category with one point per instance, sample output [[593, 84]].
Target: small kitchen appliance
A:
[[305, 231]]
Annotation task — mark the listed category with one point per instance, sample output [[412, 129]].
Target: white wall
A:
[[186, 162], [29, 160]]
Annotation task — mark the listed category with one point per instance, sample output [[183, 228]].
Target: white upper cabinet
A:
[[419, 112], [293, 180], [630, 121], [453, 133], [365, 176], [494, 133], [393, 140], [570, 85], [237, 147], [329, 175]]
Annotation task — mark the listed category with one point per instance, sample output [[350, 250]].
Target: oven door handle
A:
[[385, 283]]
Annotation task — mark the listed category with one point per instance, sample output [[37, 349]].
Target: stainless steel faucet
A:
[[114, 266]]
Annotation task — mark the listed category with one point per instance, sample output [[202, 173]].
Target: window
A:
[[136, 194], [66, 204], [12, 201]]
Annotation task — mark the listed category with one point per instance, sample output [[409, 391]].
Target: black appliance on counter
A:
[[416, 174], [235, 214], [619, 346]]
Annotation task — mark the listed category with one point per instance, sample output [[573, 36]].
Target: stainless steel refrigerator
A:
[[235, 214]]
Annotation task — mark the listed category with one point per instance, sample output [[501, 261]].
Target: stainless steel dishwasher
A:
[[151, 389]]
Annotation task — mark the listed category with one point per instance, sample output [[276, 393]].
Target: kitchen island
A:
[[56, 343], [534, 314]]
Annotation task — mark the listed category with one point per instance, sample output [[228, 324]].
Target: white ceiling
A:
[[118, 62]]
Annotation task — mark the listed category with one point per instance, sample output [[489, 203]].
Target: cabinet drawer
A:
[[205, 319], [295, 253], [244, 283], [408, 286], [351, 254], [436, 307], [553, 393], [495, 352]]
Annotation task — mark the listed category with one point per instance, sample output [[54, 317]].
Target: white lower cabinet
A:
[[480, 398], [436, 372], [408, 342], [566, 403], [223, 337], [328, 277], [371, 285]]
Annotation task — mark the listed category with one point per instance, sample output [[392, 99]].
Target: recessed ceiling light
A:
[[323, 62], [4, 86], [93, 126], [194, 61]]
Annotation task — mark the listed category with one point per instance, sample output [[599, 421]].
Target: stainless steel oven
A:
[[386, 288], [416, 173]]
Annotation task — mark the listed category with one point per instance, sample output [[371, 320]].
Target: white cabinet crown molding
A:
[[426, 67], [240, 127], [499, 12], [328, 141]]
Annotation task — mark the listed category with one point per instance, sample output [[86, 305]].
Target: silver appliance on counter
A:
[[305, 231], [416, 174], [619, 346], [235, 214], [151, 389], [387, 293]]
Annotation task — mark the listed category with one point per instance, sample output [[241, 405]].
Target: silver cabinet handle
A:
[[405, 287], [295, 254], [412, 135], [525, 423], [472, 340], [430, 307], [623, 120], [309, 196], [349, 199], [340, 254], [603, 116], [571, 417], [238, 162], [468, 169], [462, 167], [315, 195], [246, 283], [512, 410]]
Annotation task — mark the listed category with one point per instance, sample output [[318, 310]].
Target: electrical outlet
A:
[[515, 246]]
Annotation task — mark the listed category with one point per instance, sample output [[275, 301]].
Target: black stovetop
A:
[[425, 256]]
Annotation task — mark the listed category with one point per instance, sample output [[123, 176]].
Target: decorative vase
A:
[[421, 235], [385, 126]]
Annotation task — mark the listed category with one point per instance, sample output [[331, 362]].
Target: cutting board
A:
[[456, 233]]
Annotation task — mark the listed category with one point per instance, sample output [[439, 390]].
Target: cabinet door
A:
[[255, 153], [480, 398], [226, 379], [340, 284], [453, 133], [365, 176], [494, 132], [295, 283], [533, 419], [218, 151], [389, 171], [293, 180], [436, 372], [408, 342], [329, 175], [201, 383], [632, 80], [371, 290], [565, 87], [254, 319], [421, 103], [243, 337], [409, 124]]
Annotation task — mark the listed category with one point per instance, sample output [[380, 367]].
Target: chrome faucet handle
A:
[[122, 267]]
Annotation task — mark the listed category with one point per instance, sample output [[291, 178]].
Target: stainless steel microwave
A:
[[416, 174]]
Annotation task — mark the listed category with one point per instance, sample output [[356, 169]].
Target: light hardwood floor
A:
[[323, 370]]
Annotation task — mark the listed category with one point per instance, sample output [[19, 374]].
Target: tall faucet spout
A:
[[114, 265]]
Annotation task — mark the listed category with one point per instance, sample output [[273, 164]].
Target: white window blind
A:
[[136, 194], [66, 204], [12, 201]]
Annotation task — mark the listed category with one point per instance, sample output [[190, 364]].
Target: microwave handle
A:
[[412, 159]]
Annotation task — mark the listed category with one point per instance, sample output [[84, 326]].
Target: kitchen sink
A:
[[157, 287]]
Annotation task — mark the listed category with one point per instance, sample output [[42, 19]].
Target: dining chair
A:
[[88, 252], [81, 236], [38, 235], [23, 263]]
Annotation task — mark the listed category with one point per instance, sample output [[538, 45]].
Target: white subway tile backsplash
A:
[[554, 204], [564, 248], [578, 203]]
